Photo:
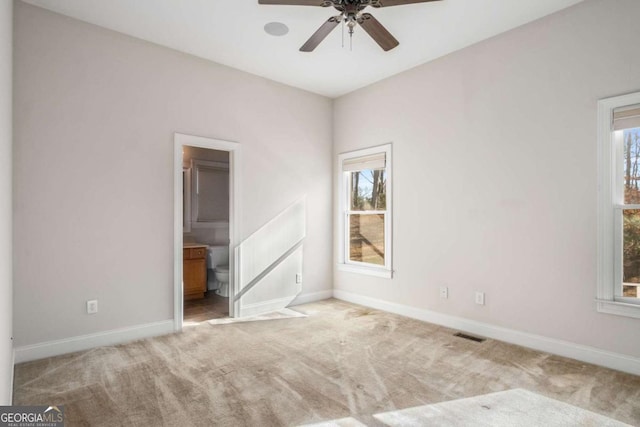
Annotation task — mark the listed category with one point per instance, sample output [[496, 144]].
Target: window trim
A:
[[609, 228], [344, 264]]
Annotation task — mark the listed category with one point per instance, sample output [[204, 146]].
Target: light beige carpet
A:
[[511, 408], [342, 361], [342, 422]]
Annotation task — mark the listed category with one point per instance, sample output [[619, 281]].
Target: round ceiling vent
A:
[[276, 29]]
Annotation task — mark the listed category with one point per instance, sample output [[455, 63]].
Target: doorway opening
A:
[[205, 230], [205, 250]]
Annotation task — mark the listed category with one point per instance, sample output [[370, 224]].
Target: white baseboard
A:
[[312, 297], [84, 342], [275, 304], [261, 307], [583, 353]]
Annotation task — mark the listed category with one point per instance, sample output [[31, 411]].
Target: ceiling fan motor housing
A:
[[363, 3]]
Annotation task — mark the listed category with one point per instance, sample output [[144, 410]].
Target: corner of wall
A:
[[6, 199], [13, 375]]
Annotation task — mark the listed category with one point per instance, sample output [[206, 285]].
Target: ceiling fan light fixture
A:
[[277, 29]]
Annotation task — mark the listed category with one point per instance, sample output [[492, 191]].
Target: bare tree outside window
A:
[[368, 195], [631, 217]]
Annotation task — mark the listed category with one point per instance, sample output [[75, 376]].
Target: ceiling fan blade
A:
[[387, 3], [295, 2], [320, 35], [377, 32]]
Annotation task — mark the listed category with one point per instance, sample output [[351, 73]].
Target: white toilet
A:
[[218, 269]]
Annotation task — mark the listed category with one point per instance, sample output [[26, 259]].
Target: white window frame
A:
[[344, 264], [610, 203]]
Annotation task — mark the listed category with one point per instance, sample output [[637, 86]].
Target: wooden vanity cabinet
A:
[[194, 272]]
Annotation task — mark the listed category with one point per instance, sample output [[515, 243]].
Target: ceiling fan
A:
[[351, 14]]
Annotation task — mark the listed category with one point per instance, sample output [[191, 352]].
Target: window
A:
[[619, 206], [365, 211]]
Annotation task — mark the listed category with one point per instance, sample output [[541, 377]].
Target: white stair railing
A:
[[268, 268]]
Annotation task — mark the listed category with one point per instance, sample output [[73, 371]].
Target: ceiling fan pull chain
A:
[[351, 25], [343, 24]]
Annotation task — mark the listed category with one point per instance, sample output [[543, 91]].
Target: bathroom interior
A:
[[205, 177]]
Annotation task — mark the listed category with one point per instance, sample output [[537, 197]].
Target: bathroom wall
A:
[[211, 234], [96, 113], [495, 176], [6, 252]]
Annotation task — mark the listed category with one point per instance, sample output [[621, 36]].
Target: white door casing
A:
[[234, 149]]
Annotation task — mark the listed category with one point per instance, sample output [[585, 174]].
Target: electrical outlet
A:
[[92, 306], [444, 292], [298, 278], [480, 298]]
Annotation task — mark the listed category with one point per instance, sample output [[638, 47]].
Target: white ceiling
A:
[[231, 32]]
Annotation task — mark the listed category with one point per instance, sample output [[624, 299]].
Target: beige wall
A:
[[495, 174], [6, 279], [95, 117]]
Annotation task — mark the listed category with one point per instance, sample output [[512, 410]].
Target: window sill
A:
[[618, 308], [370, 271]]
